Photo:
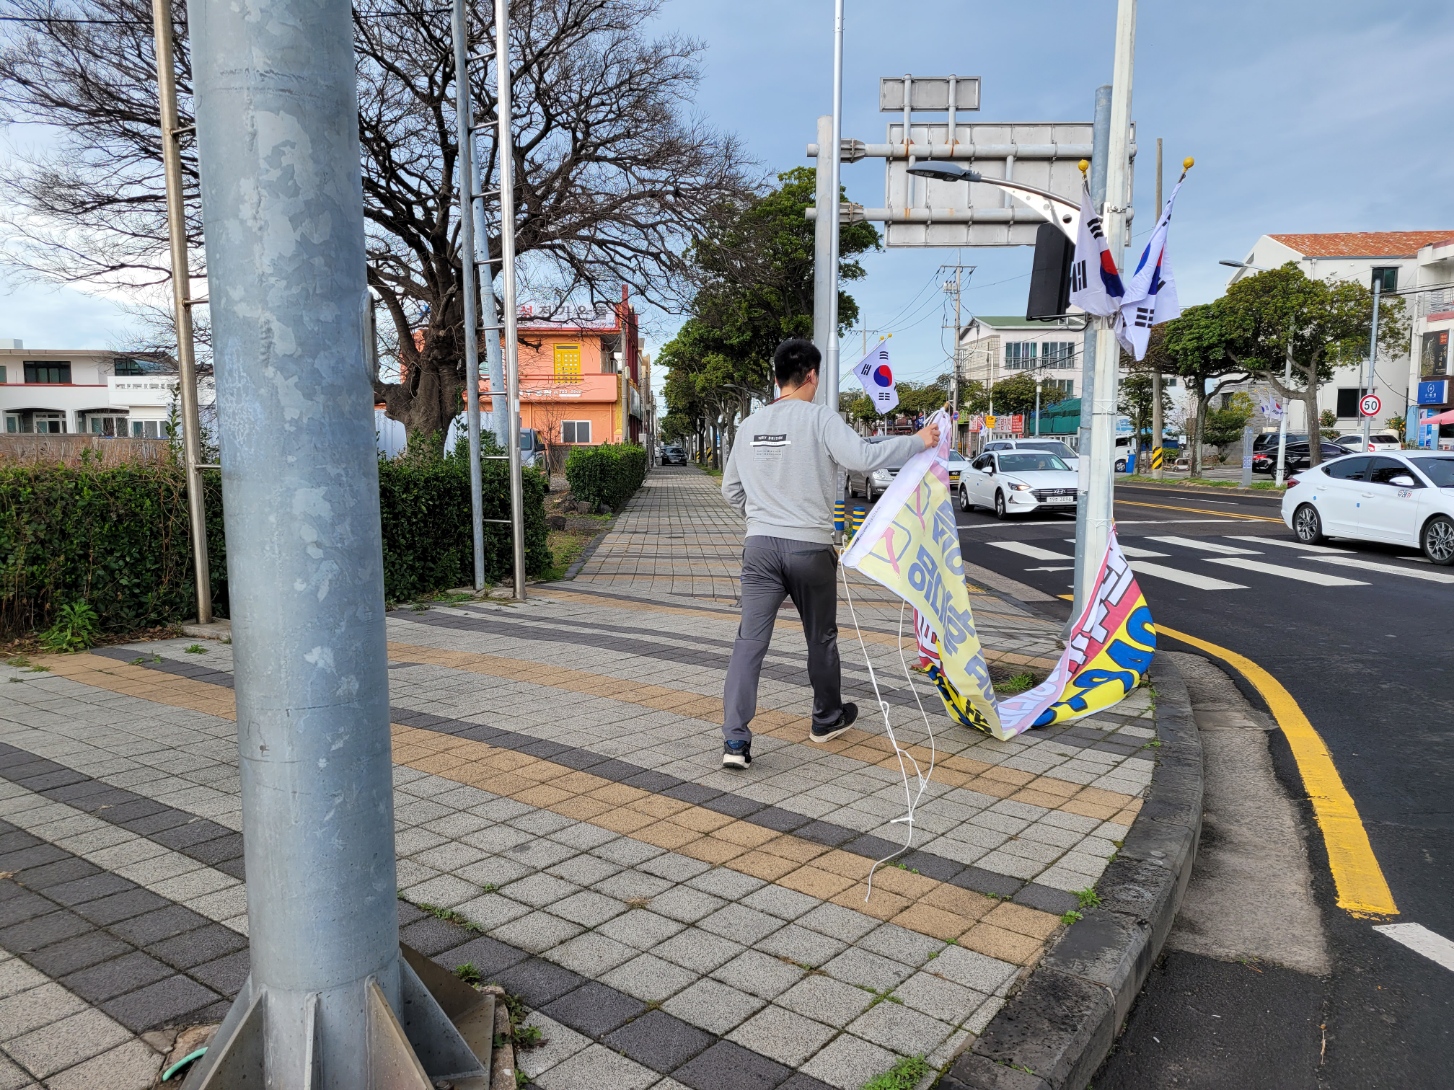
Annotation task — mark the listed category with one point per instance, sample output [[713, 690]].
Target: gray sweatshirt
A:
[[785, 466]]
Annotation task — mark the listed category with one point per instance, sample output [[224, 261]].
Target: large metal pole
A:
[[329, 1003], [1100, 153], [161, 13], [505, 142], [1372, 373], [1286, 406], [463, 123], [825, 229], [1100, 493], [1156, 421], [828, 378]]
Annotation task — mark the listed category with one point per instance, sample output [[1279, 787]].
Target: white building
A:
[[993, 348], [1401, 260], [93, 391]]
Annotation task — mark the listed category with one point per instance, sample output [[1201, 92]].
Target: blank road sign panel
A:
[[929, 93]]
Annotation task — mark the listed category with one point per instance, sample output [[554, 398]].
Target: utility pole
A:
[[1286, 405], [1158, 458], [955, 288], [1372, 355], [1100, 495], [1100, 153], [505, 144], [828, 373], [825, 229], [182, 303], [329, 1002]]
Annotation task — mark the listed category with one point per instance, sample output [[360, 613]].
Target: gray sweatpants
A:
[[774, 568]]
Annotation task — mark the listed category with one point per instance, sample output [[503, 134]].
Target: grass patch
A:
[[142, 660], [565, 547], [1088, 898], [1070, 917], [468, 973], [195, 649], [1016, 683], [710, 472], [449, 915], [1201, 482], [904, 1075]]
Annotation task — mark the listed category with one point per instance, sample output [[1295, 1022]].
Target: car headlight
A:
[[882, 475], [1020, 487]]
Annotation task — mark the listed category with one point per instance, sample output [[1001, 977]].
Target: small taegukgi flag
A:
[[1095, 285], [876, 376], [1151, 295]]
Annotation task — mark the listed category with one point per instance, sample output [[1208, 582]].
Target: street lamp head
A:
[[1234, 264], [945, 172]]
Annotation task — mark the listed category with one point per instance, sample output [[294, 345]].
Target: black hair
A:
[[793, 360]]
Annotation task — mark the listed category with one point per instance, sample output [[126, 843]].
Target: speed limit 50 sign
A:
[[1370, 405]]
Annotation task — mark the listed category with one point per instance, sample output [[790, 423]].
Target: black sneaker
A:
[[833, 730], [736, 754]]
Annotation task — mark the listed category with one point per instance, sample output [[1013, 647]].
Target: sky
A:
[[1303, 116]]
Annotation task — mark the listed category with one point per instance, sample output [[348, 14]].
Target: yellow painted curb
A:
[[1199, 511], [1362, 889]]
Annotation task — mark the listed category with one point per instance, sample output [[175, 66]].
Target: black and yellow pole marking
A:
[[1156, 457]]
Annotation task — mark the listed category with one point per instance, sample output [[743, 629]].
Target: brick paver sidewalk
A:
[[560, 802]]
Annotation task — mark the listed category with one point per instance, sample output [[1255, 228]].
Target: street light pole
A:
[[329, 1002], [1157, 426], [182, 303], [1100, 493], [505, 142], [1372, 355], [828, 373]]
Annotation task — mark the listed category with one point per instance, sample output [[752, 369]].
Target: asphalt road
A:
[[1361, 638]]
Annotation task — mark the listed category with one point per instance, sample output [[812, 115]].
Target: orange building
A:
[[582, 374]]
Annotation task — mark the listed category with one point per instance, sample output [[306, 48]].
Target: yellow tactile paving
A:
[[793, 862]]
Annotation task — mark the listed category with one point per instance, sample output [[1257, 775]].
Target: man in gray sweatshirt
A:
[[783, 475]]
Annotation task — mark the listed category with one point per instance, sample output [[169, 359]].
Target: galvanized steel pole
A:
[[828, 376], [463, 122], [825, 228], [1101, 149], [329, 1002], [1157, 425], [1372, 374], [505, 142], [182, 302], [1100, 493]]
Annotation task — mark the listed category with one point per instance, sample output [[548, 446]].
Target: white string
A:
[[911, 799]]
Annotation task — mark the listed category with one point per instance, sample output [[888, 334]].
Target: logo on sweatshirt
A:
[[770, 441]]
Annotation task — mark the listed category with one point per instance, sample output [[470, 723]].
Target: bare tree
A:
[[614, 177]]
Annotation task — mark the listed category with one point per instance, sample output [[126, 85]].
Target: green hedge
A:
[[609, 474], [117, 538]]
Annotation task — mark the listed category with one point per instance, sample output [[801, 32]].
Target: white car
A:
[[1401, 499], [1050, 446], [1382, 440], [1016, 482]]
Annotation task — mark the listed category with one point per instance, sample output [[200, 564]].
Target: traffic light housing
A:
[[1050, 278]]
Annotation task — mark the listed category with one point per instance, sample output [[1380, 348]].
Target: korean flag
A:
[[876, 376], [1095, 285], [1151, 295]]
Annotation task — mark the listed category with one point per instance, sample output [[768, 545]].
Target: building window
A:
[[575, 431], [1058, 354], [1348, 398], [2, 374], [128, 367], [149, 429], [48, 423], [1168, 382], [1019, 355], [1386, 278], [59, 372], [1064, 385], [567, 363], [13, 425], [110, 425]]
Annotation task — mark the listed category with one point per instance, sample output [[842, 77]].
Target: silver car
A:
[[1017, 482]]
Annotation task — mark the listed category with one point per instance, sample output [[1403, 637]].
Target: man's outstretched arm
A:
[[851, 451]]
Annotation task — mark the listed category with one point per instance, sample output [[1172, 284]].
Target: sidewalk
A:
[[566, 827]]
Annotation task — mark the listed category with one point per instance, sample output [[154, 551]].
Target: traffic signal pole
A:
[[330, 1002], [1100, 493]]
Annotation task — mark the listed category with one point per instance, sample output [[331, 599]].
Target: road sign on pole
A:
[[1370, 405]]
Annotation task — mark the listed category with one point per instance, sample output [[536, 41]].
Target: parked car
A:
[[1016, 482], [1401, 499], [1267, 441], [957, 465], [1297, 456], [1383, 440], [1050, 446], [872, 485], [673, 456]]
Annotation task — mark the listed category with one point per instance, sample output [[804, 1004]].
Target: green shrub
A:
[[74, 630], [116, 538], [609, 474]]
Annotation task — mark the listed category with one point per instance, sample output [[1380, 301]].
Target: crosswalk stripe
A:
[[1132, 550], [1421, 940], [1286, 544], [1205, 546], [1322, 579], [1392, 569], [1034, 552], [1186, 578]]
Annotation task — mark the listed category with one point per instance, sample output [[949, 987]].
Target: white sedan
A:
[[1016, 482], [1400, 499]]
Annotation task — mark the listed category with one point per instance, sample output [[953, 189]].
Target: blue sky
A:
[[1302, 116]]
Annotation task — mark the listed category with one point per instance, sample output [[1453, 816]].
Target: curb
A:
[[1211, 490], [1056, 1031]]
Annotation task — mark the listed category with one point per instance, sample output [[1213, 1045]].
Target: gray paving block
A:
[[660, 1041], [120, 906], [939, 998], [782, 1035], [900, 944], [584, 869], [537, 982], [837, 922], [848, 1062], [649, 978], [41, 931], [89, 888], [628, 885], [866, 969], [595, 1067], [698, 950], [224, 976], [588, 908], [640, 928], [971, 969], [896, 1026], [685, 904], [759, 974], [740, 924], [628, 852], [158, 1004], [541, 890], [825, 1000], [557, 1043], [163, 923], [713, 1006], [65, 1043], [801, 946], [594, 1009], [727, 884], [674, 868], [117, 976], [195, 947], [537, 932], [592, 955], [429, 935], [36, 1007], [727, 1064], [76, 953], [785, 904]]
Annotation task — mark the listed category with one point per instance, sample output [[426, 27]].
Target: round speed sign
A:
[[1370, 405]]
